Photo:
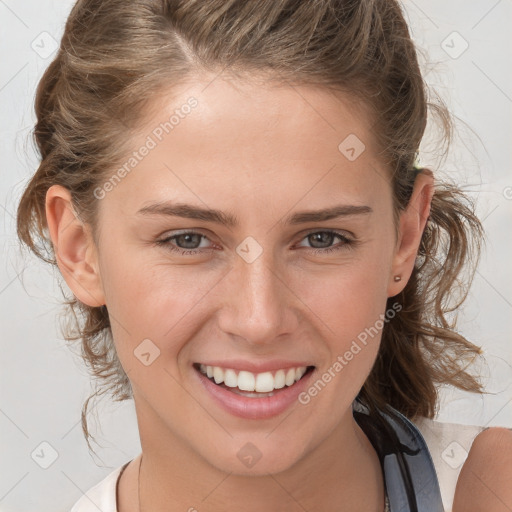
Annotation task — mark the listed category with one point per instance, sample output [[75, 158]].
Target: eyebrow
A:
[[188, 211]]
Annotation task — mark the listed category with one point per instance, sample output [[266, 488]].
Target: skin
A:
[[485, 479], [260, 153]]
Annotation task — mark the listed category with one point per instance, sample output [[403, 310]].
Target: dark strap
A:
[[409, 473]]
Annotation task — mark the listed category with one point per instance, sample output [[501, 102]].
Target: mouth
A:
[[253, 396], [254, 385]]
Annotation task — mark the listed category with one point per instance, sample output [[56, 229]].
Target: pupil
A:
[[188, 236], [319, 236]]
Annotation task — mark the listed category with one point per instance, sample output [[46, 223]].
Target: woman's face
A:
[[260, 285]]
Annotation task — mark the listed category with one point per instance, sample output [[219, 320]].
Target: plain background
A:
[[44, 385]]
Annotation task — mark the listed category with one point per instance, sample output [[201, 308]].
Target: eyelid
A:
[[185, 231], [340, 232], [169, 235], [348, 241]]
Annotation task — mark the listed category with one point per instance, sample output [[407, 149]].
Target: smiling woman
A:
[[267, 274]]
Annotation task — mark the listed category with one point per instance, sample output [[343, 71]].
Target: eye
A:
[[189, 239], [326, 238], [189, 242]]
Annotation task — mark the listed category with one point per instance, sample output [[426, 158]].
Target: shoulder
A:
[[102, 496], [485, 481], [448, 444]]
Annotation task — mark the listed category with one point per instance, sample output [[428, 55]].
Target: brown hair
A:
[[116, 56]]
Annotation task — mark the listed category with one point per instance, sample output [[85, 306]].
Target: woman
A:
[[229, 190]]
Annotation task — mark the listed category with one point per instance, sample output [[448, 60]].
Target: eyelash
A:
[[347, 243]]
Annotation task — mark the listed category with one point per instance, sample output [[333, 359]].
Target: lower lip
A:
[[255, 408]]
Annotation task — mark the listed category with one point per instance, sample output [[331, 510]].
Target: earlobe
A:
[[412, 224], [74, 247]]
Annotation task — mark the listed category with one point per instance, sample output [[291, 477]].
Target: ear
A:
[[74, 247], [412, 224]]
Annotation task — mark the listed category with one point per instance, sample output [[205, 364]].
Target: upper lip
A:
[[256, 367]]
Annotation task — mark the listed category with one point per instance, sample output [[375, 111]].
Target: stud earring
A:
[[398, 278]]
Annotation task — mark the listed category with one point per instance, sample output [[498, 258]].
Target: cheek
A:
[[151, 299], [348, 298], [348, 307]]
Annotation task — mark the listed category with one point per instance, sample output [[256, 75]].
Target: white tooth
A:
[[246, 381], [218, 374], [264, 382], [279, 379], [230, 378], [290, 377]]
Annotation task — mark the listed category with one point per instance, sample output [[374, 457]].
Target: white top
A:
[[448, 444], [103, 496]]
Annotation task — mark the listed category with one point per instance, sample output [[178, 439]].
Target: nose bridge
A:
[[258, 307]]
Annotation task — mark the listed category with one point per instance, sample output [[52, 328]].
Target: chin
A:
[[249, 460]]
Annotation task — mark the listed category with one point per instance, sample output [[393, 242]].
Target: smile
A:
[[248, 381], [253, 395]]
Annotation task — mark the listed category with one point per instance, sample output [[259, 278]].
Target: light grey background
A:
[[43, 385]]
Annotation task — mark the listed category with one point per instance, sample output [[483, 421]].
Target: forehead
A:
[[260, 111], [260, 139]]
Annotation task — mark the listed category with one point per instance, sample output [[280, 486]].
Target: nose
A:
[[258, 303]]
